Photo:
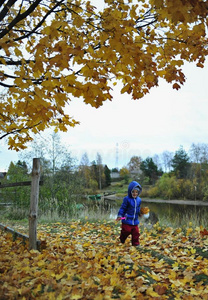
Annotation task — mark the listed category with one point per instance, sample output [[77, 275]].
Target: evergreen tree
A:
[[150, 170], [107, 173], [180, 163]]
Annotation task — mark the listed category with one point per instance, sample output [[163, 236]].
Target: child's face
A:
[[134, 193]]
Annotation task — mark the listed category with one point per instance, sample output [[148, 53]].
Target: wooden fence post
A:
[[34, 204]]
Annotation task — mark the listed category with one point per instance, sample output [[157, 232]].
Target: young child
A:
[[129, 213]]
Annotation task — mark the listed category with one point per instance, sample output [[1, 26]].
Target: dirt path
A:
[[182, 202]]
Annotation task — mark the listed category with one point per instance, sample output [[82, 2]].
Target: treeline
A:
[[66, 182], [186, 178]]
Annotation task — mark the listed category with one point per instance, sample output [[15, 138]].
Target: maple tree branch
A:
[[19, 130], [20, 17], [144, 20], [14, 63], [34, 80], [146, 24], [1, 4], [40, 23], [6, 8], [7, 75], [172, 39], [6, 85]]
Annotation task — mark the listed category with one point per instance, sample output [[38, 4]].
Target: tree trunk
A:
[[34, 204]]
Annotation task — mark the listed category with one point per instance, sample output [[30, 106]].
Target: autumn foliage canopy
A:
[[54, 51]]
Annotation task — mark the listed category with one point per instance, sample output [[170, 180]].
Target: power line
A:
[[116, 163]]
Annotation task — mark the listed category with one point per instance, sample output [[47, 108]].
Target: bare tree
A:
[[84, 169], [199, 153], [157, 161], [85, 160], [134, 164], [100, 169], [166, 159]]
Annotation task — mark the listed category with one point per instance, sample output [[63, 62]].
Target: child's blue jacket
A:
[[130, 207]]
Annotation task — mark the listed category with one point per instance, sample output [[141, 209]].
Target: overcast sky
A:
[[163, 120]]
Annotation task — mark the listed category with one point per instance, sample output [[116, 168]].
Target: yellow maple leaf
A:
[[41, 263], [87, 244], [73, 226], [193, 251], [151, 292], [59, 276]]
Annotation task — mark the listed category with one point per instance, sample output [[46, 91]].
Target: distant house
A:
[[2, 174], [115, 175], [136, 173]]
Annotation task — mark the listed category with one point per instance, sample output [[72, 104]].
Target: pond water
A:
[[175, 213]]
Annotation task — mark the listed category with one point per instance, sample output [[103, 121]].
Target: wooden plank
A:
[[33, 215], [109, 193], [23, 183]]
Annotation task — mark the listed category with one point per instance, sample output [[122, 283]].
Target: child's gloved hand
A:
[[144, 210]]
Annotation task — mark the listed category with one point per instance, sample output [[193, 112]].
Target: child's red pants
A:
[[126, 230]]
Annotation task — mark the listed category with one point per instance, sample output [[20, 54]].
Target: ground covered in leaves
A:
[[85, 261]]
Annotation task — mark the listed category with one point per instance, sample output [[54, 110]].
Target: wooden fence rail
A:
[[22, 183], [18, 234]]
